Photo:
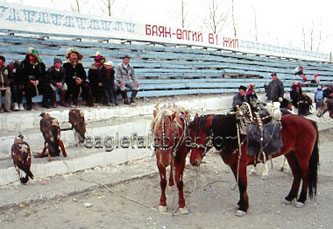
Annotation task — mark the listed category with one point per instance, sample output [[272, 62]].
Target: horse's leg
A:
[[254, 170], [297, 177], [243, 203], [179, 171], [163, 184], [284, 165], [264, 175], [171, 180]]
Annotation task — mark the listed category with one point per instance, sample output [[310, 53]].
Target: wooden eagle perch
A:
[[50, 129], [21, 155]]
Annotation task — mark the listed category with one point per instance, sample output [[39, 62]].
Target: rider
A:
[[239, 98]]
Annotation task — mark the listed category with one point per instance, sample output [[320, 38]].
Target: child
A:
[[318, 95]]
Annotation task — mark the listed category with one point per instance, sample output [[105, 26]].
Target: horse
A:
[[169, 128], [300, 147], [324, 106]]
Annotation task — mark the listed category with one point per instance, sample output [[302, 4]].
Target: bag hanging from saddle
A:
[[265, 137]]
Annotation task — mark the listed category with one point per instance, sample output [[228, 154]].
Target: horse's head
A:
[[168, 131], [76, 118], [199, 137], [323, 108]]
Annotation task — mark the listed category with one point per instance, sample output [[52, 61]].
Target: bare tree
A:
[[216, 18], [109, 5], [255, 23], [233, 17], [183, 13], [312, 36]]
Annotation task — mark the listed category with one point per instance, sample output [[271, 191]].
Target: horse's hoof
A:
[[183, 210], [264, 177], [240, 213], [162, 208], [299, 204], [286, 202]]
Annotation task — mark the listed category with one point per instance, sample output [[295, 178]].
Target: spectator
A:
[[299, 72], [296, 93], [275, 89], [56, 75], [95, 75], [318, 96], [328, 92], [76, 78], [17, 85], [4, 85], [316, 79], [109, 84], [126, 79], [34, 73], [239, 98], [252, 97]]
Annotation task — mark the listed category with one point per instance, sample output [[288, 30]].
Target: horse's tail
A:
[[313, 166]]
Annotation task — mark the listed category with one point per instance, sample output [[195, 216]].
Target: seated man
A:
[[125, 77], [4, 85], [76, 78], [239, 98], [56, 75]]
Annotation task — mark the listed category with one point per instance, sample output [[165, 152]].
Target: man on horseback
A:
[[239, 98]]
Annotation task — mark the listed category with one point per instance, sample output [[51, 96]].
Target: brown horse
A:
[[300, 146], [324, 106], [169, 130]]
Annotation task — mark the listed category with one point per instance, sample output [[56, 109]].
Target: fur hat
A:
[[73, 50], [296, 84], [34, 52], [99, 57]]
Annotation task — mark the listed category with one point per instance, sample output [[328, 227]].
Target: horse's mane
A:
[[166, 110], [200, 123]]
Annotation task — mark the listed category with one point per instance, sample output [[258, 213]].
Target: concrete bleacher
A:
[[169, 69]]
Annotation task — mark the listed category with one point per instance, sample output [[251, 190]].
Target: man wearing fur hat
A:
[[34, 72], [95, 75], [126, 79], [56, 74], [76, 77], [4, 85]]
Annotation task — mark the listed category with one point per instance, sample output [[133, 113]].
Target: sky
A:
[[287, 23]]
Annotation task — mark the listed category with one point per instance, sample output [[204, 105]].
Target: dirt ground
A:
[[209, 197]]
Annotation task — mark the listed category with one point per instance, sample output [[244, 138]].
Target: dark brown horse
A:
[[324, 106], [169, 130], [300, 146]]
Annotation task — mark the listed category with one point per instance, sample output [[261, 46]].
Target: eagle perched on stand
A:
[[50, 129], [76, 118], [21, 155]]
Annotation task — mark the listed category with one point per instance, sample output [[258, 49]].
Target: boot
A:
[[21, 107], [133, 95], [124, 95], [63, 99], [54, 99], [15, 107]]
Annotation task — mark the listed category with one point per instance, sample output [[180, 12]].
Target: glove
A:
[[280, 99]]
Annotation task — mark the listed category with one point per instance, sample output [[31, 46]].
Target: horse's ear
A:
[[196, 115], [173, 116], [155, 113]]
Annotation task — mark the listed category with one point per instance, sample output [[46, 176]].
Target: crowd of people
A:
[[29, 78], [275, 93]]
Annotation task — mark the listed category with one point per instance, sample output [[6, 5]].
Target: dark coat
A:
[[73, 72], [275, 89], [33, 72], [238, 100], [55, 76]]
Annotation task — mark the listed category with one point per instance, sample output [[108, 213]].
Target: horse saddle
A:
[[264, 134]]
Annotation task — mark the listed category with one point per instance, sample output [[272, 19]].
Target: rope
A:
[[239, 156]]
